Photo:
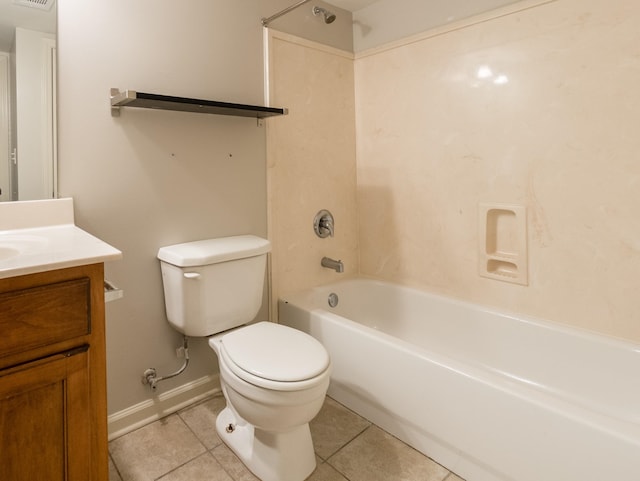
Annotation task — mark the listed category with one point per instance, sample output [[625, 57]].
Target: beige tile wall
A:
[[539, 108], [310, 162], [534, 108]]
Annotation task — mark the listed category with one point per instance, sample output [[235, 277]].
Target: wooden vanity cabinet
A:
[[53, 416]]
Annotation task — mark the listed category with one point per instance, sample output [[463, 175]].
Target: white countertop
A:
[[38, 236]]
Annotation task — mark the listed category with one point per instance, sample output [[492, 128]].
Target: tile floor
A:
[[185, 447]]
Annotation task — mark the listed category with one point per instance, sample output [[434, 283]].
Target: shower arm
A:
[[266, 21]]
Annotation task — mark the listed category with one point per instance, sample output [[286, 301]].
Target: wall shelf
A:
[[131, 98]]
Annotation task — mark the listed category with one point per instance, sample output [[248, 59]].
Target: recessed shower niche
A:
[[503, 242]]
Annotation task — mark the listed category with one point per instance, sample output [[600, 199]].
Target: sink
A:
[[12, 245], [41, 235], [8, 252]]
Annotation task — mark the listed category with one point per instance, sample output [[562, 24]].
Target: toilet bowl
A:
[[270, 402], [274, 378]]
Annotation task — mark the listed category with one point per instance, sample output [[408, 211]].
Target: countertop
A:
[[39, 236]]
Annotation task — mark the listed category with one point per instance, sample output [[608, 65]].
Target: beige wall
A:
[[153, 178], [435, 139], [311, 162]]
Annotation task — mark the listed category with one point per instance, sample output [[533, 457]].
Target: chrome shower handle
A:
[[323, 224]]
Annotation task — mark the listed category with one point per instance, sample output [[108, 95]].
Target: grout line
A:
[[206, 452], [340, 472], [209, 451], [451, 475], [115, 466], [224, 468], [347, 444]]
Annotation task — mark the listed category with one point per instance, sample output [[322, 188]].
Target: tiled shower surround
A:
[[535, 108]]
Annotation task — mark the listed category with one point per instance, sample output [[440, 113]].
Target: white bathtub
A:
[[490, 396]]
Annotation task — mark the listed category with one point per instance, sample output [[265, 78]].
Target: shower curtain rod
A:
[[265, 21]]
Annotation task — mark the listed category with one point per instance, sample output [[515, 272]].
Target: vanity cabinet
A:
[[53, 417]]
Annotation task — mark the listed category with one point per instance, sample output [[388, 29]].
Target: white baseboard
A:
[[162, 405]]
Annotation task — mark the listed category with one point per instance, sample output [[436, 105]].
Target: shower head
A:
[[328, 16]]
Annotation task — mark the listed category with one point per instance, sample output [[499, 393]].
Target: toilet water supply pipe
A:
[[150, 376]]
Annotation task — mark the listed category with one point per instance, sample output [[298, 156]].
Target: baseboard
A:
[[162, 405]]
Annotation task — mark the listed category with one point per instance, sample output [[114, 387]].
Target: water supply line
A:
[[150, 376]]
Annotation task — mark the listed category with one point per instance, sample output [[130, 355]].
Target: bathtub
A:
[[490, 396]]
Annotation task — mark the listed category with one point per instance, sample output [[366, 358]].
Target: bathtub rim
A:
[[564, 328], [627, 423]]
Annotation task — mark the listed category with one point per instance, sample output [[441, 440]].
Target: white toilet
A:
[[274, 378]]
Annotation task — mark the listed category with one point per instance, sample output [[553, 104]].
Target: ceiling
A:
[[12, 15], [351, 5]]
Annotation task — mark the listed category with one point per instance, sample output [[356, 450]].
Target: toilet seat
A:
[[274, 356]]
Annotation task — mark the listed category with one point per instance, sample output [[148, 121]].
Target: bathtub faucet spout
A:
[[332, 264]]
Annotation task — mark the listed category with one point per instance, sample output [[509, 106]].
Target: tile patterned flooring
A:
[[185, 447]]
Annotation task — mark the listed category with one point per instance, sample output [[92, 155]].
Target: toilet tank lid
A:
[[212, 251]]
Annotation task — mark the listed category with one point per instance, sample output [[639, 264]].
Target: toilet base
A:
[[271, 456]]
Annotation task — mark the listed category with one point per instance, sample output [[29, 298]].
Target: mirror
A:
[[27, 99]]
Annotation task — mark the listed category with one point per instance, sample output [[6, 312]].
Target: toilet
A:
[[274, 378]]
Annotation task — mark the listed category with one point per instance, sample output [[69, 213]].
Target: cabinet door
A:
[[44, 419]]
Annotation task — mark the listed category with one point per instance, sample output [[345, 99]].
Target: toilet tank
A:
[[215, 284]]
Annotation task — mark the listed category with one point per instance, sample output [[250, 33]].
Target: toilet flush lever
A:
[[191, 275]]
